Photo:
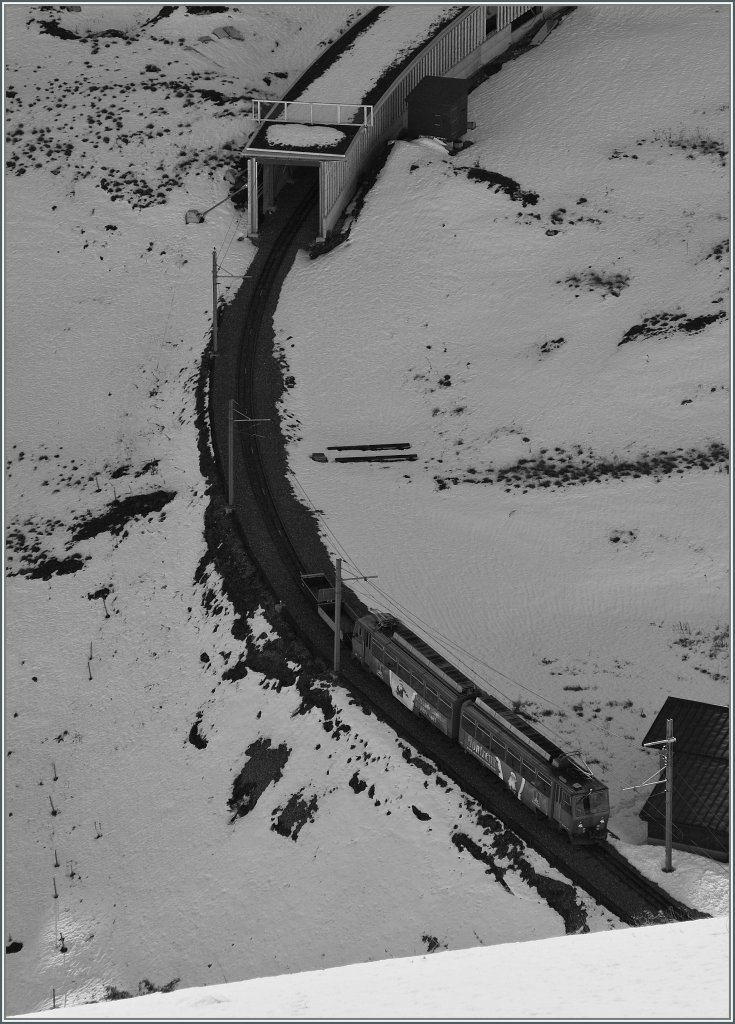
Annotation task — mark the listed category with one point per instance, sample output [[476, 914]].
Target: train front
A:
[[590, 813]]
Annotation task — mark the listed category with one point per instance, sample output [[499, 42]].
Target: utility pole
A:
[[215, 296], [337, 612], [215, 302], [667, 764], [338, 607], [230, 452], [231, 421], [669, 756]]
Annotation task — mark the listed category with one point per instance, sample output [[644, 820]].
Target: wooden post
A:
[[215, 301], [669, 790], [337, 612]]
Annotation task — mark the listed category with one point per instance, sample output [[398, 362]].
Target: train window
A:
[[483, 737], [566, 801], [513, 760], [469, 726], [528, 772], [498, 749], [591, 803], [599, 802], [368, 640], [543, 785]]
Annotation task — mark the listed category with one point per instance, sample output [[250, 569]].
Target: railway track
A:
[[246, 376], [275, 542]]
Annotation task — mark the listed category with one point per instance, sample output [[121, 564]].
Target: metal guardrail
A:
[[307, 112]]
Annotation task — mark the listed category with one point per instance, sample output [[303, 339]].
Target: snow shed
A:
[[476, 35]]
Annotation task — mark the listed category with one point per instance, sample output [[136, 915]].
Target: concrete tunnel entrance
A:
[[268, 178]]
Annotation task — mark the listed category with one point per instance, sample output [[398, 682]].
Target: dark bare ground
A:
[[265, 765], [561, 468], [195, 737], [50, 566], [426, 767], [357, 784], [560, 896], [662, 324], [463, 842], [503, 184], [294, 814], [120, 512]]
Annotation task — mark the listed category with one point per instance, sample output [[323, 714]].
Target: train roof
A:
[[567, 766], [414, 644], [575, 772]]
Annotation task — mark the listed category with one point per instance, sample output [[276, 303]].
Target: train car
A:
[[317, 584], [544, 777], [549, 781], [418, 676]]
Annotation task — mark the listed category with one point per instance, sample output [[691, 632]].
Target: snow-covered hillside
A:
[[544, 316], [137, 729], [668, 972]]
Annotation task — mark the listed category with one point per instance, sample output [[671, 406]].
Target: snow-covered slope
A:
[[668, 972], [544, 316], [135, 715]]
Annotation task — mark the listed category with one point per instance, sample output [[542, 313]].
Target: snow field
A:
[[634, 971], [490, 326], [107, 315]]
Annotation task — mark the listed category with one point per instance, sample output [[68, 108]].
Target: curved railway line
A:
[[282, 540]]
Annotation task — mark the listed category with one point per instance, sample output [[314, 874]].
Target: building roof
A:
[[700, 729], [436, 89], [701, 795], [701, 769]]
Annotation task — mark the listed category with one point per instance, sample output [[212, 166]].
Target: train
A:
[[551, 782]]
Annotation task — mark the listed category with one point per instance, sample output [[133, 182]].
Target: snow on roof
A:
[[304, 136], [400, 29]]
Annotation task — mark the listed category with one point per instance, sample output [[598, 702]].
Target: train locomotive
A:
[[549, 781]]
